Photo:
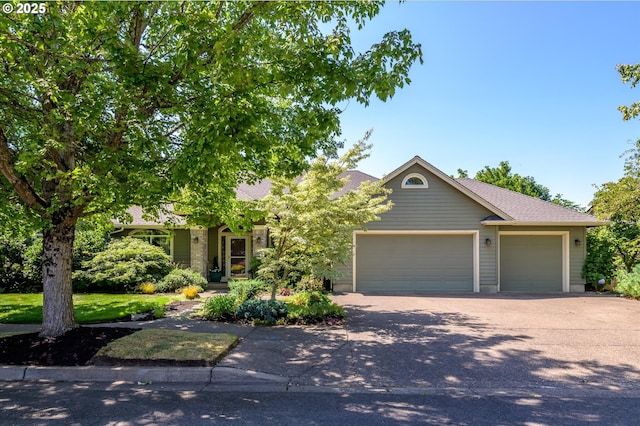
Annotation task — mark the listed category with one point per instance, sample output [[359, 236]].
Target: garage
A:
[[531, 263], [414, 263]]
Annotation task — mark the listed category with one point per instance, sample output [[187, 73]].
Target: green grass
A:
[[88, 308], [170, 345]]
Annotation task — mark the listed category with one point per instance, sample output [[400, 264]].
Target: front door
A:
[[237, 261]]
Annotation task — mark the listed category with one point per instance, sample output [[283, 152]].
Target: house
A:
[[442, 234]]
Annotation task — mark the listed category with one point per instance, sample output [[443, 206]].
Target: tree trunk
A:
[[57, 304]]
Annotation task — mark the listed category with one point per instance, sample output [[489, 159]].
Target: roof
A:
[[524, 209], [140, 221], [508, 207], [244, 191]]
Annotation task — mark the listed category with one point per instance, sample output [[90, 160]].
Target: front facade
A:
[[442, 235]]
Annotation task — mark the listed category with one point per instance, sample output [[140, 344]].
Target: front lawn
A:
[[88, 308]]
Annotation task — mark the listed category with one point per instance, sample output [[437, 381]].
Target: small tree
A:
[[311, 225]]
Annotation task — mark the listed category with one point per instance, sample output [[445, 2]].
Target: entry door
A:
[[237, 262]]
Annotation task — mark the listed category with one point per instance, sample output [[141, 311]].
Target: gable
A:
[[435, 206]]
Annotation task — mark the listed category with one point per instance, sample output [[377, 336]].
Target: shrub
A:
[[244, 290], [266, 311], [309, 284], [191, 292], [147, 288], [122, 267], [12, 271], [179, 278], [220, 307], [313, 305], [600, 261], [629, 282]]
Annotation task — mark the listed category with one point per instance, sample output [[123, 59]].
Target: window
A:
[[156, 237], [414, 180]]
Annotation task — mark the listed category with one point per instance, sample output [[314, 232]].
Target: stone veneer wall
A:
[[199, 243]]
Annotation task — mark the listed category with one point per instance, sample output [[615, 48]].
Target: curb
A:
[[107, 374], [202, 375]]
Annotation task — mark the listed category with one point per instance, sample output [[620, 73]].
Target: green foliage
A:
[[630, 73], [600, 260], [219, 308], [309, 284], [619, 202], [311, 222], [312, 305], [113, 104], [262, 311], [243, 290], [122, 266], [629, 282], [180, 278], [15, 276]]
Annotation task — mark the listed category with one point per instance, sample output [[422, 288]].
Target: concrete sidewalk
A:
[[424, 343]]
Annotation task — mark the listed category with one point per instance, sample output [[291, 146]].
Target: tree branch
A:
[[22, 188]]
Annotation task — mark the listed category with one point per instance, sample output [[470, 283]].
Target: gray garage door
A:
[[414, 263], [531, 263]]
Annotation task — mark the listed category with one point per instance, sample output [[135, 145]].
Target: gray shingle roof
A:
[[139, 220], [526, 209], [246, 192]]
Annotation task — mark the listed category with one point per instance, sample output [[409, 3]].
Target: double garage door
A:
[[445, 263], [414, 263]]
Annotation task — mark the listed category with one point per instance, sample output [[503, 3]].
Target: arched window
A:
[[156, 237], [414, 180]]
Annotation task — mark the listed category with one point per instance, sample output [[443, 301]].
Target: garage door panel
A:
[[414, 263], [531, 263]]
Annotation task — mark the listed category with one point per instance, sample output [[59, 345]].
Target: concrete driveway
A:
[[435, 343]]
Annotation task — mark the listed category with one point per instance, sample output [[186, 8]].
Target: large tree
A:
[[311, 222], [503, 177], [104, 105], [619, 201]]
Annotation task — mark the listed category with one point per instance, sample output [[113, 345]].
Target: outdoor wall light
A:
[[487, 241], [258, 240], [577, 242], [196, 239]]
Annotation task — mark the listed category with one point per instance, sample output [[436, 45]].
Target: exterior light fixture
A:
[[577, 242], [487, 242]]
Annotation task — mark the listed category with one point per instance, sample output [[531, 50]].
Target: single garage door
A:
[[414, 263], [531, 263]]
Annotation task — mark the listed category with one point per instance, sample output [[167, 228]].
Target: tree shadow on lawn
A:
[[444, 349]]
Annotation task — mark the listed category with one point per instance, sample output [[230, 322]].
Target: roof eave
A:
[[529, 223]]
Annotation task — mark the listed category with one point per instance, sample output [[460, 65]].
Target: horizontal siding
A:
[[182, 246], [440, 207]]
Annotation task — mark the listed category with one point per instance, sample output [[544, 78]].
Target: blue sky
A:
[[533, 83]]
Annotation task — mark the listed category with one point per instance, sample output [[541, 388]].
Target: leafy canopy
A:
[[311, 222], [113, 104], [105, 105]]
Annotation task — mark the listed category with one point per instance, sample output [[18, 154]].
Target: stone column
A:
[[259, 240], [199, 249]]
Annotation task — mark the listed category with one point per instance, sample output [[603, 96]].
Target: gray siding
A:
[[440, 207], [182, 246]]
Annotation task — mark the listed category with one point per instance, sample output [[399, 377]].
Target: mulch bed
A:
[[75, 347]]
